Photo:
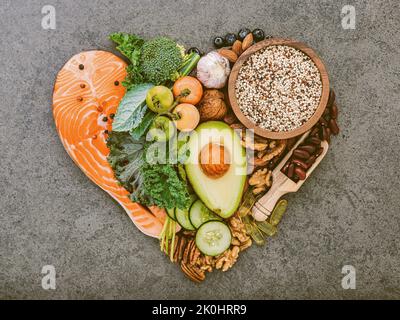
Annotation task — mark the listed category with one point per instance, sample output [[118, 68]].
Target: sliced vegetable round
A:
[[213, 238], [195, 50], [182, 217], [171, 213], [199, 214]]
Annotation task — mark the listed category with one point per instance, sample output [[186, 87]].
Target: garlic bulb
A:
[[213, 70]]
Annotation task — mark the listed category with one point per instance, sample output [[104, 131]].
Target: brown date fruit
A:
[[300, 163], [334, 127], [308, 148], [331, 99], [334, 111], [301, 154], [290, 172], [313, 140], [300, 173]]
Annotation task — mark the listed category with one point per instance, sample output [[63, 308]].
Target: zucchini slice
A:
[[213, 238], [182, 216], [200, 214]]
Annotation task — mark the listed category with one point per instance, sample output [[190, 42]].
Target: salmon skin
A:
[[87, 92]]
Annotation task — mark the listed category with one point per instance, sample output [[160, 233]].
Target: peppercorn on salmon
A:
[[86, 94]]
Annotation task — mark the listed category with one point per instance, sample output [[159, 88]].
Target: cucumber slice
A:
[[171, 213], [182, 216], [213, 238], [200, 214]]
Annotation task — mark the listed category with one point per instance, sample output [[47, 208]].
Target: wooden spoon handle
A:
[[264, 206]]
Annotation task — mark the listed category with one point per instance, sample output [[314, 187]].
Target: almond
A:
[[237, 47], [247, 42], [229, 54]]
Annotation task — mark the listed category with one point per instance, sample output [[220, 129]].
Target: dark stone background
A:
[[347, 213]]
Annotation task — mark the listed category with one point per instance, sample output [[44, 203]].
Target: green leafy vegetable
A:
[[127, 44], [130, 46], [157, 61], [125, 158], [131, 109], [147, 120], [161, 185], [190, 61], [133, 77], [149, 184], [160, 60]]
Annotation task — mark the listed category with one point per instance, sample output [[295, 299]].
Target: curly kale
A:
[[127, 44], [160, 60], [161, 186], [149, 184], [130, 46], [125, 158]]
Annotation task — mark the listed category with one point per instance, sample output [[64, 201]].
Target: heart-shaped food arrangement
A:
[[198, 149]]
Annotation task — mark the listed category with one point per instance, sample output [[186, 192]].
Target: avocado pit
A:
[[214, 160]]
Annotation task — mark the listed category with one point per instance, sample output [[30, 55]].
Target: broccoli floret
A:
[[160, 60]]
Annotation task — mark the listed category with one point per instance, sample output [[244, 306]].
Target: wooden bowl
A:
[[283, 134]]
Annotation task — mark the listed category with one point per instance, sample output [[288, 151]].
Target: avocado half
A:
[[221, 194]]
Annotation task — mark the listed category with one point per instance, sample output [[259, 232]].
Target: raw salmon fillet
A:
[[87, 91]]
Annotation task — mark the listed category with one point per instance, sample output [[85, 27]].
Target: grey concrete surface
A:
[[347, 213]]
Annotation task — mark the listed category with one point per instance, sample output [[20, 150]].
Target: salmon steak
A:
[[86, 94]]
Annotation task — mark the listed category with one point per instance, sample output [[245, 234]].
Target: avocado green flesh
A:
[[221, 195]]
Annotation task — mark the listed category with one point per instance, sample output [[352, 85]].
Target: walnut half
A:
[[261, 180]]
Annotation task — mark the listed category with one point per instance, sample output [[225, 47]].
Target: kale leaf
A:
[[132, 108], [125, 158], [149, 184], [130, 46], [162, 186]]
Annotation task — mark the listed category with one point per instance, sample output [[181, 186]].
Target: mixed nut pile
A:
[[195, 264]]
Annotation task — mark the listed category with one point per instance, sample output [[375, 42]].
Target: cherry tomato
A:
[[188, 90]]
